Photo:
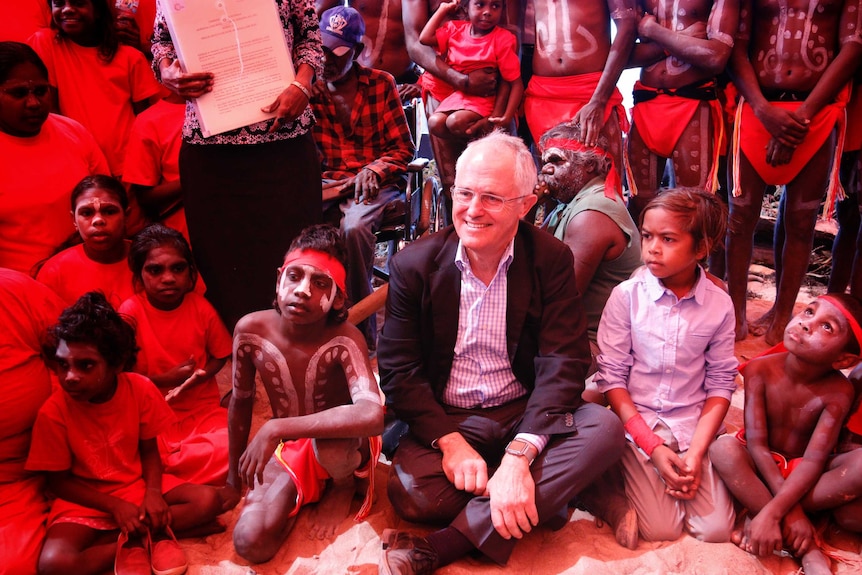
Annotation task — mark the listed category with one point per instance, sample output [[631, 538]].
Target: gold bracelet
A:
[[302, 88]]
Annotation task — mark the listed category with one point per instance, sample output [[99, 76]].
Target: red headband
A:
[[613, 187], [854, 327], [321, 261]]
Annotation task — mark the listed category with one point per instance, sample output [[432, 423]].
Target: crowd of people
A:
[[586, 242]]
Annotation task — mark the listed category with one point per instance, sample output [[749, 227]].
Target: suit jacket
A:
[[545, 327]]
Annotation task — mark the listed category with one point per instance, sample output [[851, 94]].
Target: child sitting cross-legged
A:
[[95, 440], [326, 406], [783, 464]]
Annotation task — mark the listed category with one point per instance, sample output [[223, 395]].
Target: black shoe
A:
[[406, 554]]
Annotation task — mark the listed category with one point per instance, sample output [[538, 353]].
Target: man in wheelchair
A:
[[364, 144]]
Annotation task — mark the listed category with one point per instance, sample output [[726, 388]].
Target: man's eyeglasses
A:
[[21, 92], [490, 202]]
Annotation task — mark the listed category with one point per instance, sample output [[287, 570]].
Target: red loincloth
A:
[[785, 466], [298, 459], [550, 100], [751, 139], [662, 120]]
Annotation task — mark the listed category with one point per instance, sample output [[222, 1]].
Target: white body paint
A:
[[674, 67], [814, 59], [272, 365], [547, 43]]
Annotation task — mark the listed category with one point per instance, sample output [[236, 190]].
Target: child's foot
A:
[[332, 508], [816, 563], [166, 555], [132, 556]]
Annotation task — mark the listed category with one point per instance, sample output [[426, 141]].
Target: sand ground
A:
[[580, 547]]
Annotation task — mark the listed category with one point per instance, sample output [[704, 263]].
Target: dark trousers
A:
[[420, 492]]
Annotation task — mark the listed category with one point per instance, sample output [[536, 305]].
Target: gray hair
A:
[[570, 131], [524, 167]]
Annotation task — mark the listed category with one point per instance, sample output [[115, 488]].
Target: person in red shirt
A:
[[28, 309], [183, 345], [98, 81], [95, 441], [49, 153], [99, 208]]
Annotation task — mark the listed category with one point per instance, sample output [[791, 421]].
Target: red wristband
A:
[[642, 435]]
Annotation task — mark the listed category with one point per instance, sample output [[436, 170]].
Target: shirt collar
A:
[[656, 289], [463, 262]]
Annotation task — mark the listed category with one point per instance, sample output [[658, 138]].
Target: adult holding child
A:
[[440, 79], [499, 439], [248, 192], [50, 154]]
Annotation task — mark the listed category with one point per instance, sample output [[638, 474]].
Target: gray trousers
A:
[[420, 492], [661, 517]]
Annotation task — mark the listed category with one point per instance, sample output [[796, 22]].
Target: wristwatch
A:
[[524, 449]]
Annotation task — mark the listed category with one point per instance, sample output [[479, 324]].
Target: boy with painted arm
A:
[[326, 405], [782, 464]]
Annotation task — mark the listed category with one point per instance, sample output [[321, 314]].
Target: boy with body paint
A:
[[326, 405], [783, 464]]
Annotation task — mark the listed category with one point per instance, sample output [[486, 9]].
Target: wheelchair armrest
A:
[[417, 165]]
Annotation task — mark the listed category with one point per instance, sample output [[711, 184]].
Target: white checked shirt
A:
[[481, 374]]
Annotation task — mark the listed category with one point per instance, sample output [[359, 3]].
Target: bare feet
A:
[[816, 563], [332, 508], [775, 333], [762, 324]]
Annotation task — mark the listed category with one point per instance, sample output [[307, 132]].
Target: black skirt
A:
[[244, 204]]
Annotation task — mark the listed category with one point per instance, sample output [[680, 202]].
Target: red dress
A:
[[195, 447], [99, 444], [497, 50]]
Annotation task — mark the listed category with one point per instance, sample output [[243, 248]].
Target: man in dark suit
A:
[[483, 353]]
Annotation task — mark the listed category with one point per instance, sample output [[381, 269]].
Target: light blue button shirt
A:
[[670, 354]]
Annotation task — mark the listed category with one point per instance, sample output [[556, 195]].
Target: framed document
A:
[[242, 43]]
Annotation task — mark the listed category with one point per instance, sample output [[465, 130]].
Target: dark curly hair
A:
[[158, 236], [92, 320], [327, 239]]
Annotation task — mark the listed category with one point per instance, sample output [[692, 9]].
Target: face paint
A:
[[301, 284]]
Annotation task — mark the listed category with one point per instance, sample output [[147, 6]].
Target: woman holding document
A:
[[249, 191]]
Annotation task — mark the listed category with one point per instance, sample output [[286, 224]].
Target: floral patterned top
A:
[[302, 35]]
